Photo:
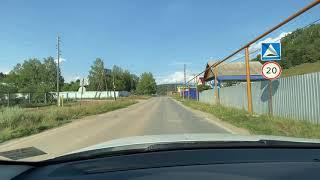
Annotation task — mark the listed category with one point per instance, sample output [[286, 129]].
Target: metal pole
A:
[[114, 89], [216, 85], [82, 86], [270, 99], [29, 98], [106, 86], [185, 80], [249, 97], [58, 72], [188, 91], [196, 85], [45, 98]]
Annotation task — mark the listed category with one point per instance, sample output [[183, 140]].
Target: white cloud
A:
[[176, 77], [257, 45], [60, 60], [5, 70]]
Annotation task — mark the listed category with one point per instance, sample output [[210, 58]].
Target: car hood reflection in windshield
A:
[[214, 140]]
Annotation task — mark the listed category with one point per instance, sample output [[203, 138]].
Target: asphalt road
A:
[[160, 115]]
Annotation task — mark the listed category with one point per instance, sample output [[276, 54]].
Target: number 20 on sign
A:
[[271, 70]]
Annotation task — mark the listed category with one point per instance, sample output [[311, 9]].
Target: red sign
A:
[[271, 70]]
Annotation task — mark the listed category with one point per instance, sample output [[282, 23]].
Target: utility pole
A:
[[58, 70], [82, 88], [107, 94], [114, 89], [185, 79], [196, 85]]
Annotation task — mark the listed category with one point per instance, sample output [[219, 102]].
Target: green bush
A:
[[258, 124]]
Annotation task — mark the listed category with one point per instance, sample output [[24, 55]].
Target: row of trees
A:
[[301, 46], [122, 80], [34, 75]]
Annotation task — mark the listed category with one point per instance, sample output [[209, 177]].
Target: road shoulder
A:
[[73, 123], [214, 120]]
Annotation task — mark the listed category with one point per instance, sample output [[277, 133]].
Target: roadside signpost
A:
[[270, 51], [271, 70]]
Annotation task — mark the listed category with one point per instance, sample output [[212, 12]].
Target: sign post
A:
[[270, 99], [270, 51], [270, 70]]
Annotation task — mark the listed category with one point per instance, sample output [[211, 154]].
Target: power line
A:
[[259, 49], [298, 13], [311, 23]]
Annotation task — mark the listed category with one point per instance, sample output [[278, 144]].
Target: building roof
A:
[[230, 70]]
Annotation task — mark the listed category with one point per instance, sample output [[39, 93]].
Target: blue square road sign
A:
[[270, 51]]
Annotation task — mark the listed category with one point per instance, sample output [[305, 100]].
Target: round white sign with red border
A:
[[271, 70]]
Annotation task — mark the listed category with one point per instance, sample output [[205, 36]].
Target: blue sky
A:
[[139, 35]]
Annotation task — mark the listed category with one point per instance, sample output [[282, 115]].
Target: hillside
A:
[[301, 46], [163, 88], [300, 51], [301, 69]]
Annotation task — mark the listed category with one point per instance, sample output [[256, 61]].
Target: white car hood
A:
[[155, 139]]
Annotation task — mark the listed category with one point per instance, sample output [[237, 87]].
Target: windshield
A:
[[79, 74]]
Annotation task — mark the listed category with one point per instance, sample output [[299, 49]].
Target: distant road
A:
[[159, 115]]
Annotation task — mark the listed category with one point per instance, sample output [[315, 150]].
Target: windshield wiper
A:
[[184, 145]]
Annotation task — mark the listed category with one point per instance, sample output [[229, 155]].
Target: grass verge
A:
[[258, 124], [138, 97], [302, 69], [18, 122]]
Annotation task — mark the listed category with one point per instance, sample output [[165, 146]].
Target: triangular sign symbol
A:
[[270, 52]]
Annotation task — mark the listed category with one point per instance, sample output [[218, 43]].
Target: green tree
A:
[[201, 87], [34, 76], [2, 76], [124, 80], [118, 77], [134, 82], [97, 76], [72, 86], [301, 46], [147, 84]]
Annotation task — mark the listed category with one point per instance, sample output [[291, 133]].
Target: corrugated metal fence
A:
[[207, 96], [296, 97]]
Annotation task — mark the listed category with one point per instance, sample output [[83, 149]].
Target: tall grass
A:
[[259, 124], [17, 122]]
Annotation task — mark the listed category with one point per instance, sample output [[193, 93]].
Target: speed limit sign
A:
[[271, 70]]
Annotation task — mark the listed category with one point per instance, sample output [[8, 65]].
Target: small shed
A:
[[233, 71]]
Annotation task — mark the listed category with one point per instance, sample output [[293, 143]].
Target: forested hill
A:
[[162, 89], [299, 47]]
